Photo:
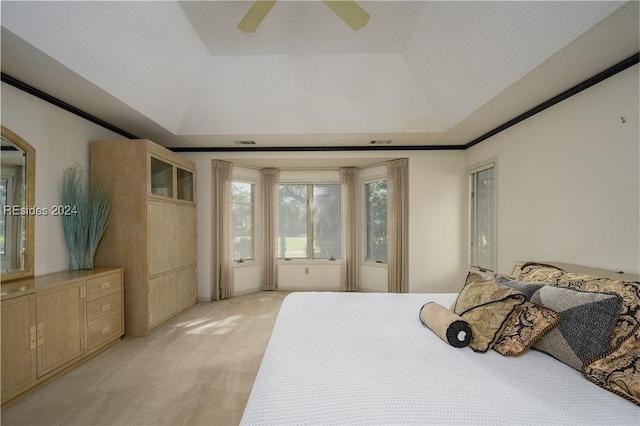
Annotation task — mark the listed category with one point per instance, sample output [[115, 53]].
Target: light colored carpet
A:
[[198, 369]]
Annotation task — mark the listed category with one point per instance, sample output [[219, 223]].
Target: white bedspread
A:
[[366, 359]]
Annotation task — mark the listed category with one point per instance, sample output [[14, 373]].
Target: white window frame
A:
[[471, 173], [310, 236], [249, 261], [365, 242], [8, 227], [7, 218]]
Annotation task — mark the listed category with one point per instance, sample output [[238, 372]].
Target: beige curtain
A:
[[349, 179], [270, 181], [398, 225], [222, 262]]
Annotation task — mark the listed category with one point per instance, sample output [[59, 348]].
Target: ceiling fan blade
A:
[[255, 15], [349, 12]]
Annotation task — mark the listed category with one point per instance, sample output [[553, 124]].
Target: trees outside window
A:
[[243, 212], [310, 221], [376, 206], [482, 253]]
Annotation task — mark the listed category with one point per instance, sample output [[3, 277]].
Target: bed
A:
[[366, 359]]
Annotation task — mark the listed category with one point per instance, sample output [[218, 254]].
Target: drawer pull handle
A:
[[106, 330], [32, 337], [40, 334], [105, 286], [106, 307]]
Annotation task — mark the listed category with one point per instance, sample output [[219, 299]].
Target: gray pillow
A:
[[525, 288], [586, 322]]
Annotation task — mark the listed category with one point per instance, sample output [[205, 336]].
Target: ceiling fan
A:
[[352, 14]]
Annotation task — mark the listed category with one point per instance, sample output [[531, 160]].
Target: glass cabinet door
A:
[[185, 185], [161, 178]]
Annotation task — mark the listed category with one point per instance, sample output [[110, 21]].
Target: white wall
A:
[[203, 225], [437, 241], [61, 139], [437, 196], [568, 180], [314, 275]]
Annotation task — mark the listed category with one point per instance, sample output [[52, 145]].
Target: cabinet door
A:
[[186, 235], [156, 238], [186, 287], [169, 232], [163, 237], [18, 344], [169, 293], [185, 184], [156, 301], [60, 326], [161, 173], [162, 298]]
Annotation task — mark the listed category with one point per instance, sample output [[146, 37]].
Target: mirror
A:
[[17, 198]]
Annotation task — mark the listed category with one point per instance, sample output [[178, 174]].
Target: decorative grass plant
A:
[[85, 216], [100, 215]]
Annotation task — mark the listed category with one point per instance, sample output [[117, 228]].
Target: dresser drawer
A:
[[104, 331], [103, 307], [104, 285]]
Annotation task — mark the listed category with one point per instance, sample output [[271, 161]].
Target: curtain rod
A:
[[248, 166]]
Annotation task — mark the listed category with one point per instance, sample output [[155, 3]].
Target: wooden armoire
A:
[[152, 232]]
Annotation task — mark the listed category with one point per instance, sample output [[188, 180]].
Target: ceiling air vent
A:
[[244, 142], [381, 142]]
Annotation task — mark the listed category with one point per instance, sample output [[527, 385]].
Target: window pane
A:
[[292, 239], [327, 222], [376, 197], [243, 217], [482, 247]]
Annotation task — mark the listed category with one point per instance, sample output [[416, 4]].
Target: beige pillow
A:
[[486, 305], [446, 324]]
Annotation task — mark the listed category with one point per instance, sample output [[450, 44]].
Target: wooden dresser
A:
[[52, 322]]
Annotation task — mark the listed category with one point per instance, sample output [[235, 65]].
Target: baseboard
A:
[[238, 293], [249, 291], [307, 288]]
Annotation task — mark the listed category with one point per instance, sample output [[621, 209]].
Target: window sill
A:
[[375, 264], [309, 262], [483, 272], [246, 263]]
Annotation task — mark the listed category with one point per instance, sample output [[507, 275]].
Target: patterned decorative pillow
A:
[[485, 305], [523, 287], [532, 272], [528, 324], [629, 316], [586, 322], [619, 371]]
